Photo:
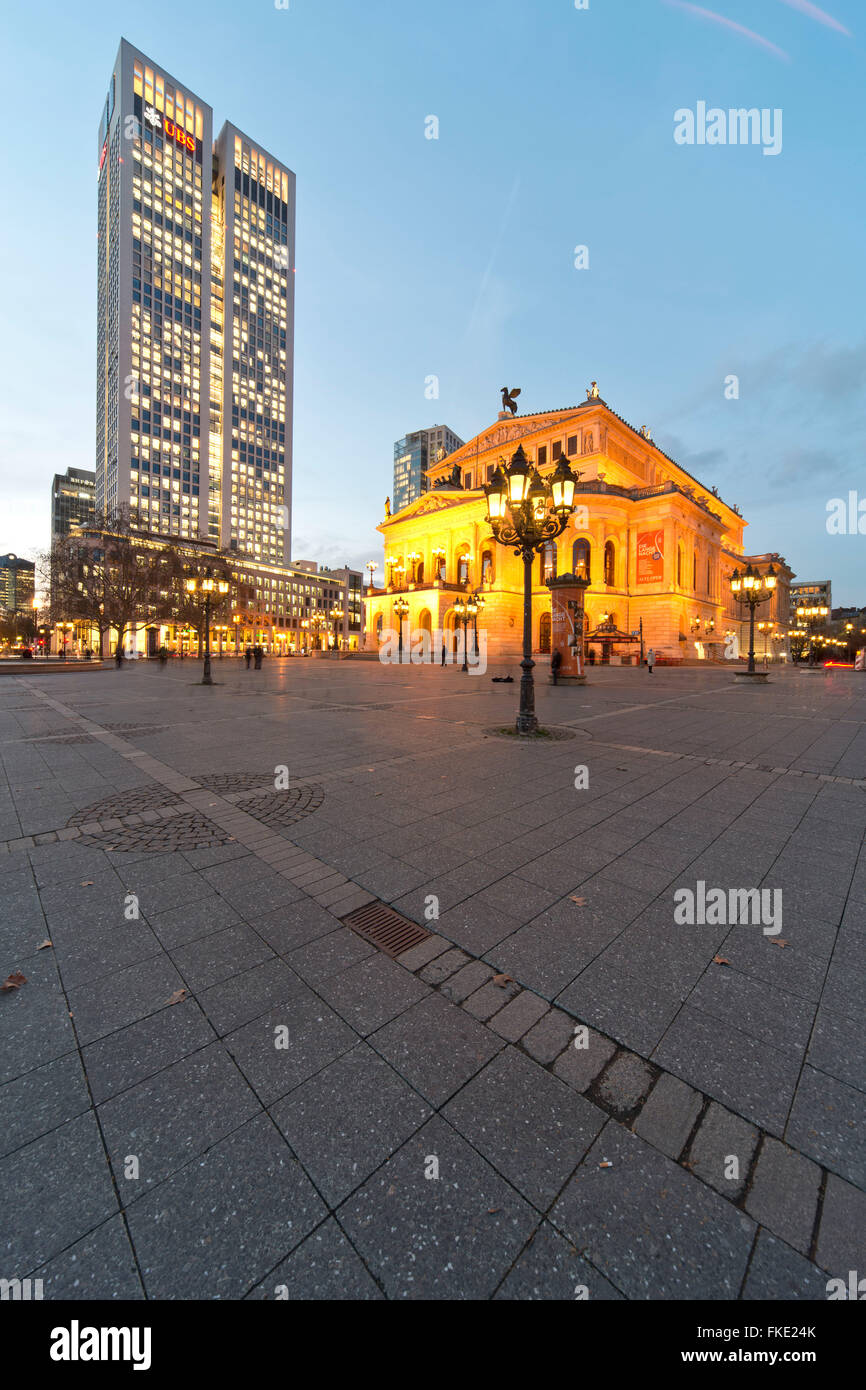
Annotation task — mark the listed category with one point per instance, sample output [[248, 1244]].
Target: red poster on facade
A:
[[650, 557]]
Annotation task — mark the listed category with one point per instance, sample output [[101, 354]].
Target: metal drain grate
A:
[[385, 928]]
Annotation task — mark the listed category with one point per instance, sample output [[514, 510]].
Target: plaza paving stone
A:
[[568, 892]]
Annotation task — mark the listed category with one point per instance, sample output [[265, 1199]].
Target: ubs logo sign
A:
[[172, 130]]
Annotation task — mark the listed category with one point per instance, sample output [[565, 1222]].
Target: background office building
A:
[[72, 500], [812, 593], [413, 455], [17, 585], [195, 332]]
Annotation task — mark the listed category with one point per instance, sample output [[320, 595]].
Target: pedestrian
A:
[[555, 663], [163, 655], [443, 649], [650, 660], [118, 656], [248, 656], [258, 653]]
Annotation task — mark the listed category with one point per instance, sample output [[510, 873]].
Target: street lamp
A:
[[336, 615], [464, 609], [401, 608], [478, 600], [754, 589], [526, 511], [372, 566], [316, 621], [207, 585]]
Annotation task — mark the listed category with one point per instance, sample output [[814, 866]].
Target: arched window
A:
[[544, 633], [609, 562], [487, 566], [580, 559], [419, 572], [379, 628], [463, 569], [439, 565], [547, 559]]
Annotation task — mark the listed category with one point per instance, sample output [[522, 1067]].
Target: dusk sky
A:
[[455, 256]]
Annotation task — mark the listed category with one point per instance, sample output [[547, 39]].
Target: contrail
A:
[[821, 16], [731, 24], [486, 276]]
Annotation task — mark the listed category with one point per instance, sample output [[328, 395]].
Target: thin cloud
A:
[[821, 16], [732, 25]]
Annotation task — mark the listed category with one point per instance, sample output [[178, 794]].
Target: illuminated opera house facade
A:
[[656, 546]]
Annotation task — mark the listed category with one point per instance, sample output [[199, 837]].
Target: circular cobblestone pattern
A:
[[282, 808]]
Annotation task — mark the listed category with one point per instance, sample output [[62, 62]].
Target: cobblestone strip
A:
[[318, 880], [778, 1187]]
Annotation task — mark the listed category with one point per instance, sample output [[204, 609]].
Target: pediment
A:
[[506, 433]]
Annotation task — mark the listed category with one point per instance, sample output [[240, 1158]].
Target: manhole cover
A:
[[189, 831], [282, 808], [385, 928]]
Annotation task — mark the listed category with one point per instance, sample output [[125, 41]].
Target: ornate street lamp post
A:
[[401, 608], [754, 589], [525, 511], [336, 615], [464, 609], [478, 600], [372, 566], [207, 585]]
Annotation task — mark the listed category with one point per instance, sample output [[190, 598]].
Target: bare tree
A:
[[107, 576]]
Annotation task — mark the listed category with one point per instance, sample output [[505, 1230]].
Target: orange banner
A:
[[650, 557]]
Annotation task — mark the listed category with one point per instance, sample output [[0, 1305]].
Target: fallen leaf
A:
[[581, 902], [720, 960], [43, 945], [502, 980], [14, 981], [778, 941], [176, 998], [491, 1211]]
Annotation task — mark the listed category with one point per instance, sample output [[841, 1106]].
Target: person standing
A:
[[555, 663], [650, 660], [248, 656], [258, 653]]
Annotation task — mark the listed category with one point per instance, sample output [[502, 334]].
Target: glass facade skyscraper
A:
[[413, 455], [195, 329]]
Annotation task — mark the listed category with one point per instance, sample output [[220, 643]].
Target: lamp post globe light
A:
[[401, 608], [372, 566], [753, 588], [207, 585], [336, 616], [525, 511]]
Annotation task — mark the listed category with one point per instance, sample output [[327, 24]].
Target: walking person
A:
[[258, 653], [555, 664], [248, 656], [650, 660]]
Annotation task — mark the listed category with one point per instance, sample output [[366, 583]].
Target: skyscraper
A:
[[72, 500], [195, 331], [413, 455]]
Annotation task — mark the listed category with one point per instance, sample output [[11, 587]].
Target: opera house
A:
[[656, 546]]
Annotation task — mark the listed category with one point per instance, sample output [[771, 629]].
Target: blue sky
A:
[[455, 256]]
